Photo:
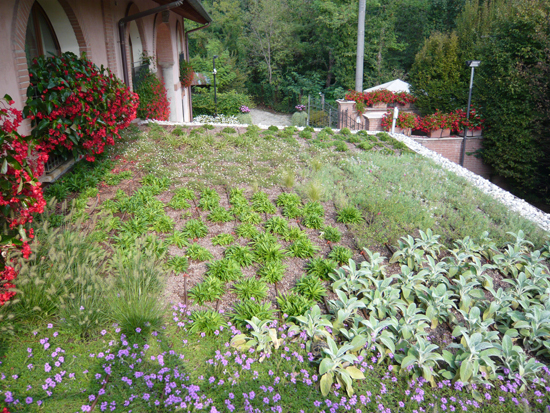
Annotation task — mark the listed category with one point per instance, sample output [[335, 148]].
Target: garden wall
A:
[[451, 149]]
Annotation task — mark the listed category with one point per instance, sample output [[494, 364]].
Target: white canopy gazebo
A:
[[396, 86]]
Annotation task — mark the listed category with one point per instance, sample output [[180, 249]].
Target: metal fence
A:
[[321, 114]]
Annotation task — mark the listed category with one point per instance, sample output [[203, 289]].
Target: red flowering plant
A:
[[362, 100], [475, 122], [436, 121], [186, 73], [153, 103], [405, 120], [22, 162], [75, 106]]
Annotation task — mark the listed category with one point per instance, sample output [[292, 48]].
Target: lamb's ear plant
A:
[[251, 287], [206, 321], [264, 339], [197, 253], [314, 324], [210, 290], [338, 364], [422, 358]]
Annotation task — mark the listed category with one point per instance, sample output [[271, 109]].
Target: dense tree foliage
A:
[[281, 50]]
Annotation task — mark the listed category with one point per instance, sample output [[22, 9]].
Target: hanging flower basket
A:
[[186, 74]]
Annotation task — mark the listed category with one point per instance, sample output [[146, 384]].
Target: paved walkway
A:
[[263, 117]]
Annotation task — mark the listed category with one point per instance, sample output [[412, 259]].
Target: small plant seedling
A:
[[262, 204], [294, 233], [345, 131], [163, 224], [340, 146], [268, 251], [225, 269], [178, 203], [331, 234], [321, 268], [353, 139], [197, 253], [292, 211], [286, 199], [311, 287], [328, 130], [313, 221], [366, 146], [220, 214], [247, 231], [273, 271], [247, 309], [341, 254], [294, 305], [273, 128], [251, 288], [210, 199], [316, 164], [249, 217], [178, 239], [314, 208], [242, 255], [206, 321], [195, 228], [178, 264], [349, 215], [277, 225], [223, 239], [207, 126], [302, 248], [228, 130], [211, 289], [304, 134], [185, 193]]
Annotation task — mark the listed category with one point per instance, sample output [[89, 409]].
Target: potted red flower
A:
[[404, 123], [437, 125], [474, 123]]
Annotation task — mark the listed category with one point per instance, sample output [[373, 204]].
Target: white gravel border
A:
[[514, 203]]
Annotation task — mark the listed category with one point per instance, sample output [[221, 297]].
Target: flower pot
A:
[[473, 132], [379, 105], [404, 131], [439, 133]]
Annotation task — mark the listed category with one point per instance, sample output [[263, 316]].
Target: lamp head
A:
[[473, 63], [215, 56]]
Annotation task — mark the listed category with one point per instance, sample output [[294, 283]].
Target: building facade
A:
[[117, 34]]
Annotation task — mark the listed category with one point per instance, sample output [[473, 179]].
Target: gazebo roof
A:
[[396, 85]]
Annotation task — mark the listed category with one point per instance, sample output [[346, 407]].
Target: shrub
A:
[[75, 106], [229, 103], [21, 194], [299, 119], [153, 103]]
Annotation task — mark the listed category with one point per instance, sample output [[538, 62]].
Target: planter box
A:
[[404, 131], [439, 133], [472, 132], [405, 106], [379, 105]]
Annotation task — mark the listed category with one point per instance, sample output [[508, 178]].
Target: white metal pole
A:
[[395, 116], [360, 46]]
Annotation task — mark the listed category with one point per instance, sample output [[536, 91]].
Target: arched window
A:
[[40, 38]]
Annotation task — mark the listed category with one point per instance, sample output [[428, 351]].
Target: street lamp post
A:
[[473, 64], [215, 96]]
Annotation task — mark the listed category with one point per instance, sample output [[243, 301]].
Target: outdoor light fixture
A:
[[473, 64], [214, 73]]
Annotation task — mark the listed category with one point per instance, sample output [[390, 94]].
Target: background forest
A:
[[278, 51]]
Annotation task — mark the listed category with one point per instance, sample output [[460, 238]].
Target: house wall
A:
[[90, 27]]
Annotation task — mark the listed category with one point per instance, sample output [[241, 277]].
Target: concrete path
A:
[[263, 117]]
